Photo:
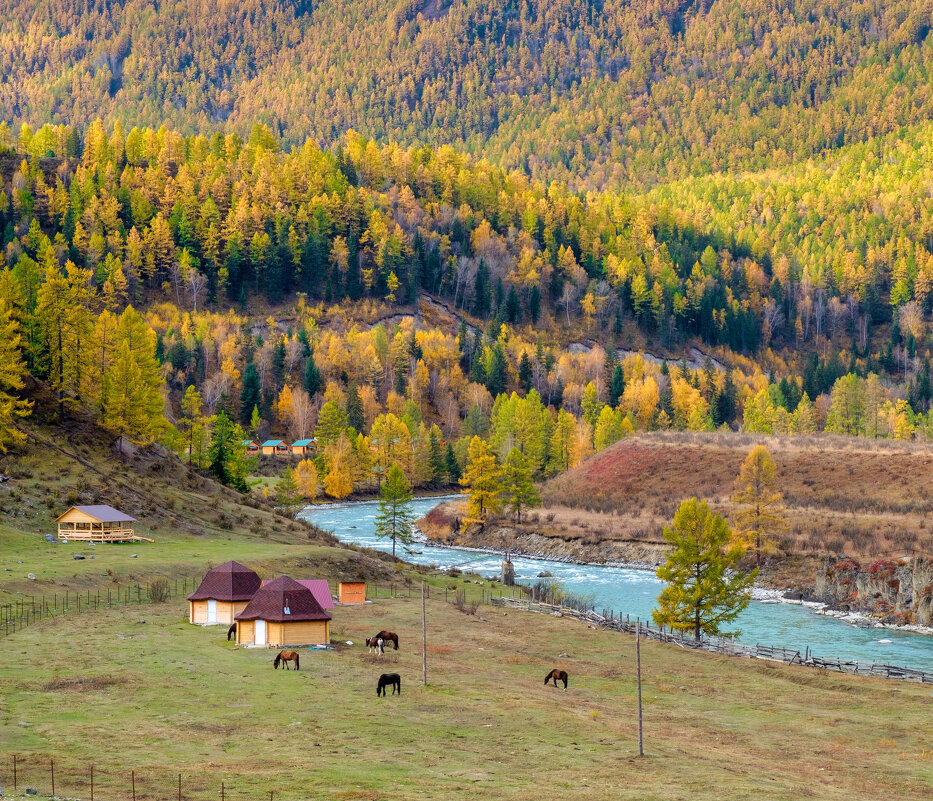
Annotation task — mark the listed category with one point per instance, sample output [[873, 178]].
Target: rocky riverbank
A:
[[891, 591]]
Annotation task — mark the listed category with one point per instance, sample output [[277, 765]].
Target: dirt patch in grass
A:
[[85, 684]]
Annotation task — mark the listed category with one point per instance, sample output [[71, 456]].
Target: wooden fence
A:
[[721, 645]]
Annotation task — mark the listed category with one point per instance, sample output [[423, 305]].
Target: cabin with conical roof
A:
[[224, 592], [283, 612]]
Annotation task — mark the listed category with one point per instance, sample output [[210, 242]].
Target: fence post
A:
[[641, 750], [14, 773], [179, 787], [133, 780], [92, 783], [424, 641], [52, 767]]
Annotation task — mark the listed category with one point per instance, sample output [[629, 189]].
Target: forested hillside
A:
[[600, 93], [542, 211]]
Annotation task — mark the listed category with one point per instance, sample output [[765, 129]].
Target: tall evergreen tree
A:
[[496, 375], [251, 393], [481, 291], [513, 309], [312, 376], [354, 409], [616, 385], [395, 516]]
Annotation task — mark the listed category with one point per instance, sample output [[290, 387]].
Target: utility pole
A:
[[424, 641], [641, 749]]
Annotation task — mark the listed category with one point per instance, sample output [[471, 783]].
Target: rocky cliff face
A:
[[893, 590]]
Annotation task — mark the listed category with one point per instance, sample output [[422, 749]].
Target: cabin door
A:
[[212, 611], [260, 636]]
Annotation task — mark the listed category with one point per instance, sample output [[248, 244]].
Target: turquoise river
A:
[[632, 592]]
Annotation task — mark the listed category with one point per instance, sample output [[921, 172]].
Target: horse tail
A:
[[296, 660], [395, 640]]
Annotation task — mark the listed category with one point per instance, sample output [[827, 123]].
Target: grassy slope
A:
[[166, 697], [866, 498], [194, 521]]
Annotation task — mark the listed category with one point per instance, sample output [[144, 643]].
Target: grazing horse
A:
[[285, 657], [376, 645], [231, 631], [385, 680], [557, 675], [387, 636]]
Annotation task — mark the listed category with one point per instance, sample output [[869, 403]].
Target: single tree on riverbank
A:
[[703, 592], [518, 486], [395, 514], [760, 516], [481, 479]]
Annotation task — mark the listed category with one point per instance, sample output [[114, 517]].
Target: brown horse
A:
[[385, 636], [557, 675], [285, 657]]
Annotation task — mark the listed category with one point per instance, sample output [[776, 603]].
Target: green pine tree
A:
[[354, 408], [251, 394], [704, 592], [395, 515]]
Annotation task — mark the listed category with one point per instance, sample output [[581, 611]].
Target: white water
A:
[[632, 592]]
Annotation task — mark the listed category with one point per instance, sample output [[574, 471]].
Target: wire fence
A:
[[30, 609], [28, 775], [722, 645]]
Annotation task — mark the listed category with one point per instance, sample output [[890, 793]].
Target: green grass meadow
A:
[[164, 697]]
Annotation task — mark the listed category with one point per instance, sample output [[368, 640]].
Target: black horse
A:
[[231, 631], [385, 680], [557, 675]]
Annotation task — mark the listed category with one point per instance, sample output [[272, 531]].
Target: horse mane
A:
[[278, 658]]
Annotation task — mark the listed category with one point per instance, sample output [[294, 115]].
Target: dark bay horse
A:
[[285, 657], [385, 636], [385, 680], [557, 675]]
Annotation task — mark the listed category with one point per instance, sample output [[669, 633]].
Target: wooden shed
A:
[[224, 592], [274, 447], [303, 447], [283, 612], [351, 592], [97, 524]]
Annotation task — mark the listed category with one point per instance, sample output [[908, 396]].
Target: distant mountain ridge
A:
[[599, 93]]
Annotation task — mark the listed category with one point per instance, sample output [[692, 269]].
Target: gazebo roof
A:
[[230, 581], [102, 513], [282, 600]]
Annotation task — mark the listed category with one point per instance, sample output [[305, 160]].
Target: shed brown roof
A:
[[230, 581], [273, 599]]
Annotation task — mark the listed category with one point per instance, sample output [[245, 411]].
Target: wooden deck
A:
[[98, 534]]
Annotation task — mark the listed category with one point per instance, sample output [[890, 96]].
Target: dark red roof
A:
[[272, 599], [230, 581], [319, 587]]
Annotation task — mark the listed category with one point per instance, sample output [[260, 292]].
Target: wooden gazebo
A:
[[97, 524]]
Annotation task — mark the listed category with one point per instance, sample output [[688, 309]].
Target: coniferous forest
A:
[[258, 212]]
